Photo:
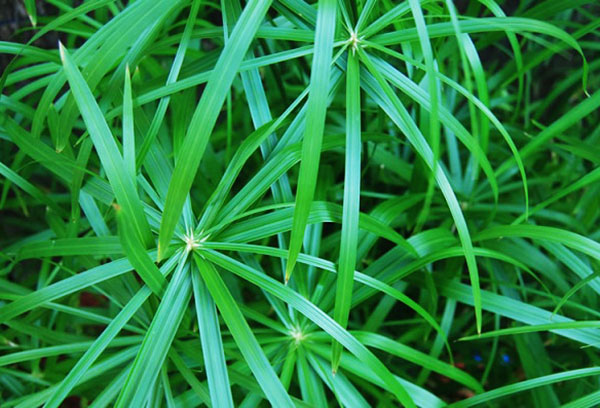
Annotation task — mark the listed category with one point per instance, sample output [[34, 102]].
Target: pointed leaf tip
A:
[[61, 49], [159, 254], [288, 275]]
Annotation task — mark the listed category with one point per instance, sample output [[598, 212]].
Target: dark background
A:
[[15, 26]]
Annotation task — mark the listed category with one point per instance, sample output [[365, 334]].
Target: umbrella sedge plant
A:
[[300, 203]]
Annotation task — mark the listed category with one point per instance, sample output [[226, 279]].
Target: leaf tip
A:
[[160, 254], [335, 365], [62, 50], [288, 272]]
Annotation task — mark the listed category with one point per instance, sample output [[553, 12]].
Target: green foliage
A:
[[301, 203]]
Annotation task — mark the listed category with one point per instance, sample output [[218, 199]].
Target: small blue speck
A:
[[505, 358], [477, 358]]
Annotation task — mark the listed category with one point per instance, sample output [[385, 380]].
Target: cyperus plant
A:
[[301, 204]]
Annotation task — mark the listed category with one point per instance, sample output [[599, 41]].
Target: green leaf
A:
[[158, 339], [527, 385], [398, 113], [539, 232], [315, 124], [574, 115], [212, 344], [205, 117], [330, 267], [317, 316], [173, 74], [19, 357], [587, 401], [64, 287], [520, 311], [433, 91], [533, 329], [250, 144], [351, 209], [128, 126], [138, 257], [416, 357], [106, 147], [31, 11], [243, 336], [91, 246], [28, 187]]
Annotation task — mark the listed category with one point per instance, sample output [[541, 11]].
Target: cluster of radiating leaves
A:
[[302, 204]]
